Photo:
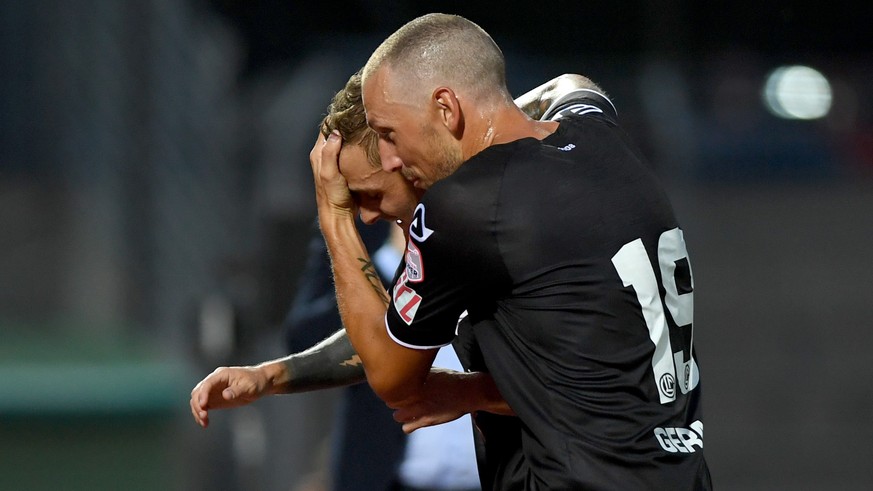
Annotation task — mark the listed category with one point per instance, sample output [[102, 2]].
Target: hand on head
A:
[[331, 190]]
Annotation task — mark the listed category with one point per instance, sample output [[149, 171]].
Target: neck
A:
[[503, 125]]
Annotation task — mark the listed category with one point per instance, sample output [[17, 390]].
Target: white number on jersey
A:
[[635, 270]]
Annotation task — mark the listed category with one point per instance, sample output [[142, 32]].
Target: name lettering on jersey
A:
[[406, 300], [578, 109], [417, 228], [414, 264], [681, 440]]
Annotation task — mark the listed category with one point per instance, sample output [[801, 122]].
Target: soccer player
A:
[[557, 240]]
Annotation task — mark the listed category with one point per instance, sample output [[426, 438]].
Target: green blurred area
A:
[[88, 412]]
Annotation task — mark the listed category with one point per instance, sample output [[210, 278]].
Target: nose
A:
[[390, 161], [369, 216]]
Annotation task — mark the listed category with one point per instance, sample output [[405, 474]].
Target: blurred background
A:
[[155, 205]]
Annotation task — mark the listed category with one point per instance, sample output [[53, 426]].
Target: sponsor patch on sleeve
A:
[[406, 300], [414, 263]]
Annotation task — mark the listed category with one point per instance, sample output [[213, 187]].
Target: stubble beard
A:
[[446, 158]]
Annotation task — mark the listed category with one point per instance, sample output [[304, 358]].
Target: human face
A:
[[410, 141], [378, 194]]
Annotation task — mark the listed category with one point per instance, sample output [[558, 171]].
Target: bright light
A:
[[797, 92]]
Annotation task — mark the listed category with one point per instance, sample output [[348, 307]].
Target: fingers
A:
[[414, 425], [411, 421], [329, 165], [331, 189], [198, 406], [324, 156], [331, 149], [315, 156], [200, 403], [228, 394]]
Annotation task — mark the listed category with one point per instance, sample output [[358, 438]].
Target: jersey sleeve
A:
[[448, 238], [581, 102]]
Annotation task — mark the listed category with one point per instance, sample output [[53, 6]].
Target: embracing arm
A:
[[535, 102]]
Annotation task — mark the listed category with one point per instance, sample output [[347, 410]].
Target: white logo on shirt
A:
[[417, 228], [567, 148], [681, 440], [579, 109]]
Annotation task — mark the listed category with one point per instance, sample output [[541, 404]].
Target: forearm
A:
[[330, 363], [395, 373], [535, 102], [486, 397], [474, 391]]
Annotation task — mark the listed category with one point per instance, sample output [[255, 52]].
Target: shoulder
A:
[[581, 103], [462, 206], [475, 181]]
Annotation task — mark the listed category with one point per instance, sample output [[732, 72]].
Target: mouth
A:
[[407, 173]]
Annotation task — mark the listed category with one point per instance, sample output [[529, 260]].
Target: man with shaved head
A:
[[557, 240]]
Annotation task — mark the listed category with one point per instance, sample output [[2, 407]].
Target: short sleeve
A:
[[450, 251], [581, 102]]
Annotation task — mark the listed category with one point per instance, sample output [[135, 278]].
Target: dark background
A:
[[155, 202]]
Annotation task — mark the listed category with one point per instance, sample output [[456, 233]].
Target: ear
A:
[[449, 110]]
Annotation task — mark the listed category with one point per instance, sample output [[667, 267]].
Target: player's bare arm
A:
[[535, 102], [396, 373], [333, 363], [369, 271], [450, 395], [330, 363]]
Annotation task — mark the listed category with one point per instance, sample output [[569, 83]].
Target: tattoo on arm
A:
[[354, 361], [331, 363], [373, 277]]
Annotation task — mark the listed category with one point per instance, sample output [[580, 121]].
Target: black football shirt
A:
[[569, 260]]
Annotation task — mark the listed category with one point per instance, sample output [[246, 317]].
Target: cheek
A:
[[369, 204], [389, 206]]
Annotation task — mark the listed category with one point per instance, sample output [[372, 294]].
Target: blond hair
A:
[[346, 115]]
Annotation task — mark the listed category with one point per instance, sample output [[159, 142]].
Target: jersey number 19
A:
[[672, 366]]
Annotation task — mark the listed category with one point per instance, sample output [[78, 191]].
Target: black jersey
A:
[[567, 256], [499, 455]]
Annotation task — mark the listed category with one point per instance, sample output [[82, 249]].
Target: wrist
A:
[[333, 214], [489, 398], [276, 374]]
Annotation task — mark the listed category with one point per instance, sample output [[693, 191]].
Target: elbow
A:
[[572, 81], [393, 388]]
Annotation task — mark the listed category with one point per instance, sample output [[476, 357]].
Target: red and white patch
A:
[[414, 264], [406, 300]]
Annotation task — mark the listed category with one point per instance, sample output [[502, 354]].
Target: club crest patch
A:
[[417, 229]]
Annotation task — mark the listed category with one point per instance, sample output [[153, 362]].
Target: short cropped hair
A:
[[446, 49], [346, 115]]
